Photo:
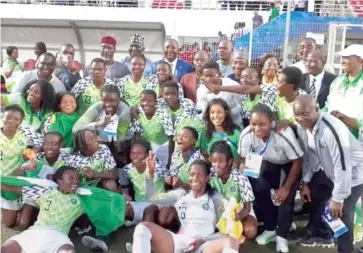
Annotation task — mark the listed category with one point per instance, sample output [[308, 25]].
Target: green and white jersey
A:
[[186, 109], [17, 72], [139, 180], [87, 93], [12, 150], [180, 168], [232, 141], [101, 161], [237, 186], [184, 121], [32, 119], [131, 91], [347, 97], [57, 210], [155, 130]]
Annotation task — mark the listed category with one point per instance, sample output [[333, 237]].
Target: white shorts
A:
[[41, 240], [31, 202], [182, 242], [139, 208], [11, 204]]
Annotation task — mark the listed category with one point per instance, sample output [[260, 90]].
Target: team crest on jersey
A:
[[21, 143], [206, 206], [74, 201], [233, 189]]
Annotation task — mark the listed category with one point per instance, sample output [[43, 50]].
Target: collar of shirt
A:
[[347, 83], [300, 65], [173, 65]]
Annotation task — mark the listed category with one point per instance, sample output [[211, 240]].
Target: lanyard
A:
[[227, 139], [264, 147], [188, 158]]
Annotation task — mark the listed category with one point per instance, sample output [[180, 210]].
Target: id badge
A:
[[335, 224], [253, 164], [111, 128]]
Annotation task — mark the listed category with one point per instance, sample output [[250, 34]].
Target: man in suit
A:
[[178, 66], [316, 80]]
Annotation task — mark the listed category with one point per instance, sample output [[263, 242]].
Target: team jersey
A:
[[131, 91], [155, 130], [186, 109], [87, 93], [180, 168], [32, 119], [12, 150], [101, 161], [17, 72], [232, 141], [57, 210], [237, 186], [138, 180]]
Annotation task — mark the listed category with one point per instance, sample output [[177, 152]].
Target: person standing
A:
[[257, 19], [11, 67], [137, 45], [114, 69], [316, 80], [178, 66], [225, 49], [332, 172]]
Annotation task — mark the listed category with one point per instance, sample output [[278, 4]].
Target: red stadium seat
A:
[[29, 65], [163, 4], [180, 5], [172, 4], [77, 66], [353, 2], [155, 4]]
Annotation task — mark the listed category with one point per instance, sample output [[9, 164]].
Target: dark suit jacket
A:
[[181, 68], [328, 78]]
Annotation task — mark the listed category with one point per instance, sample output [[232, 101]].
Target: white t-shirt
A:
[[204, 96], [301, 66]]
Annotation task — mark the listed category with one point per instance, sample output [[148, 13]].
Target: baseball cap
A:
[[354, 49]]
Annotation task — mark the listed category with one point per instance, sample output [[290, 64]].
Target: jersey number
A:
[[182, 211], [87, 99], [47, 205]]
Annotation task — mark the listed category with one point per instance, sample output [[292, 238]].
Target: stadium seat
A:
[[180, 5], [29, 65], [77, 66]]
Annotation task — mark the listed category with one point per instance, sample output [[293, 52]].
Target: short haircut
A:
[[211, 65], [15, 108], [293, 75], [222, 147], [312, 40], [54, 133], [98, 60], [145, 144], [111, 89], [149, 93], [264, 109], [59, 172], [67, 45], [256, 70], [170, 84], [172, 40], [193, 131], [10, 49], [41, 46]]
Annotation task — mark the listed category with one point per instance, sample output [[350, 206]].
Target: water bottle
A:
[[275, 201]]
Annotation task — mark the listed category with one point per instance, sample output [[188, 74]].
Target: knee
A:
[[230, 242], [250, 229], [150, 213], [110, 184], [23, 222]]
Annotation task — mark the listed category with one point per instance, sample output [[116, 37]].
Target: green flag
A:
[[105, 209]]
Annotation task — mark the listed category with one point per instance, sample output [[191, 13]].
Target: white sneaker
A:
[[281, 245], [293, 227], [266, 237], [129, 247], [93, 243]]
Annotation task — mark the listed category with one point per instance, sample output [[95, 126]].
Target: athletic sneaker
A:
[[281, 245], [317, 242], [293, 227], [129, 247], [266, 237], [94, 244]]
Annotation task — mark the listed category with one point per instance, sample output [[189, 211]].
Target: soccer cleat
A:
[[266, 237], [317, 242], [281, 245], [94, 244]]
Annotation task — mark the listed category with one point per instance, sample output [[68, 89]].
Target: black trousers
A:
[[321, 190], [273, 217]]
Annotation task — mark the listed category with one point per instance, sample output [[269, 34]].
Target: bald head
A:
[[306, 111], [306, 46], [315, 62], [200, 58]]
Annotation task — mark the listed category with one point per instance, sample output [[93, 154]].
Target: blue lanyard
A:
[[226, 139], [188, 158], [264, 147]]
